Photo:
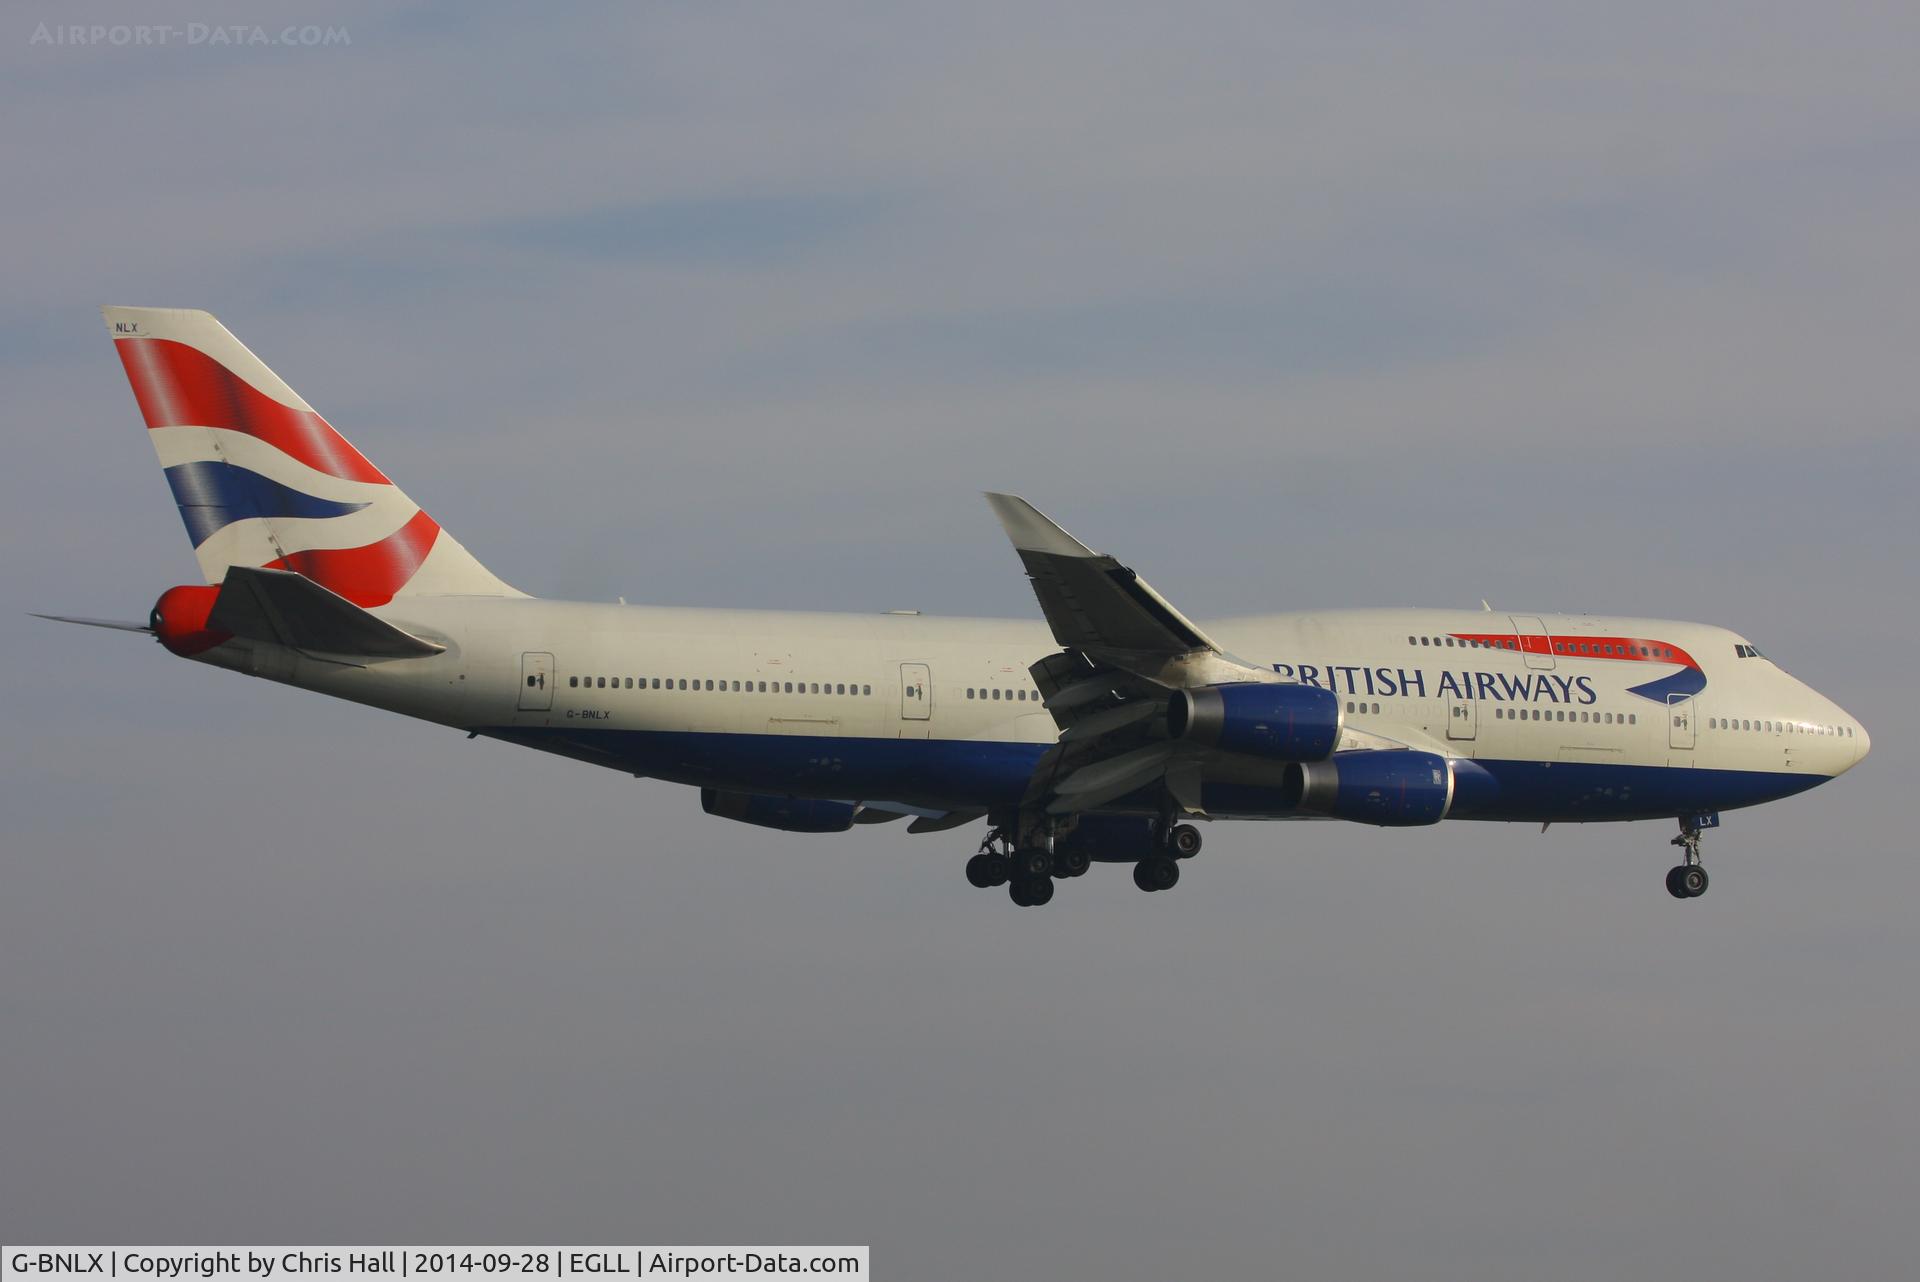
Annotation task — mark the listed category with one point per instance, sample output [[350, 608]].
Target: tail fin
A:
[[263, 481]]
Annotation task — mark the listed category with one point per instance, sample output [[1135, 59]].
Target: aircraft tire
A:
[[1030, 892], [1157, 872], [1184, 841], [1034, 862], [1070, 863], [982, 874], [1693, 880]]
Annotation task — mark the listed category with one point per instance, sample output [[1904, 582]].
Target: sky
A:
[[1593, 308]]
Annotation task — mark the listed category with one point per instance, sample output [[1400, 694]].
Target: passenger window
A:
[[573, 681], [1349, 705], [969, 692], [1426, 640], [866, 689], [1449, 640], [1633, 719]]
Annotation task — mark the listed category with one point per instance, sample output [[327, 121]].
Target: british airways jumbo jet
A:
[[1097, 736]]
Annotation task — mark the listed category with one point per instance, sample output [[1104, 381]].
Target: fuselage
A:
[[1567, 717]]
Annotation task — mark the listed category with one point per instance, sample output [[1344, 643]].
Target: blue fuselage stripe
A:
[[952, 774]]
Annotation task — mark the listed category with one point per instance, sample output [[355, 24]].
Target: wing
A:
[[1100, 608], [1124, 650]]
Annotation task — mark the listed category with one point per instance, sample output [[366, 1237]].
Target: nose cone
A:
[[1862, 742]]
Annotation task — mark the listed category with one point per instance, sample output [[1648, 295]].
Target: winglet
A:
[[1031, 530]]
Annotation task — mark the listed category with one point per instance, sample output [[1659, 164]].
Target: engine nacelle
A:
[[788, 814], [1394, 788], [1277, 722]]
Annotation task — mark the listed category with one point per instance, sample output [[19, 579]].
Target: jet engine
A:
[[1277, 722], [1394, 788]]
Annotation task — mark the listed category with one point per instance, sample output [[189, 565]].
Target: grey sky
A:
[[1609, 309]]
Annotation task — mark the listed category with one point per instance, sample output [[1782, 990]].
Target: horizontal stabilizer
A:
[[292, 610]]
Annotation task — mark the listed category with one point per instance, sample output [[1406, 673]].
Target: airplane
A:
[[1100, 733]]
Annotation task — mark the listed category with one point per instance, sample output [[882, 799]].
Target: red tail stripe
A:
[[181, 386], [370, 575]]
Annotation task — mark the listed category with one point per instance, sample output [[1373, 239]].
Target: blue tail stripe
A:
[[213, 496]]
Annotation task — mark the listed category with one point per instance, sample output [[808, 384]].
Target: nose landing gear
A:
[[1688, 879]]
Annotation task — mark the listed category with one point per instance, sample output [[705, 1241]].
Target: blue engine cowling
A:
[[1277, 722], [788, 814], [1395, 788]]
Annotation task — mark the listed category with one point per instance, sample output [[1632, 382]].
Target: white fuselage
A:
[[941, 712]]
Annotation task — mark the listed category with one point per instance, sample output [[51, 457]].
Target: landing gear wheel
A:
[[986, 870], [1030, 892], [1156, 872], [1070, 863], [1184, 841], [1674, 887], [1034, 862], [1689, 879]]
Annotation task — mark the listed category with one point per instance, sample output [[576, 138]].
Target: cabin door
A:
[[916, 692], [536, 682], [1535, 644], [1680, 721]]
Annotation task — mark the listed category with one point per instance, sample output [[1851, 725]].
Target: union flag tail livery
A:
[[1096, 733], [262, 480]]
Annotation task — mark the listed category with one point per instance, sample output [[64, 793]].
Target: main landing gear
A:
[[1028, 872], [1161, 870], [1687, 880]]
